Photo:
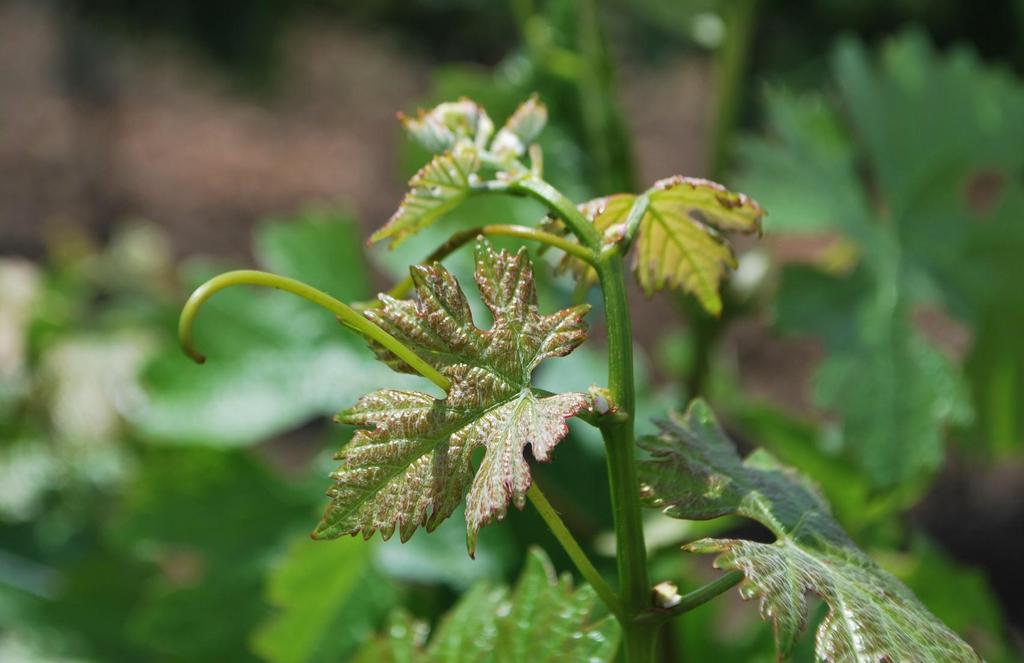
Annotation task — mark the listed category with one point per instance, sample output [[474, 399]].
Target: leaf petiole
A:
[[403, 287], [633, 219], [575, 552], [345, 314], [696, 598]]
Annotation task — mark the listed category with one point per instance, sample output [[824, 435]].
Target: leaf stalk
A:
[[403, 287], [575, 552], [695, 599]]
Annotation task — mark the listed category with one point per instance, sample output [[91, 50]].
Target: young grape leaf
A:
[[679, 240], [437, 188], [439, 129], [411, 463], [521, 129], [695, 473], [543, 620]]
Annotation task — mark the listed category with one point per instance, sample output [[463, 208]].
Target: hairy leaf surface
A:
[[679, 242], [542, 621], [695, 473], [411, 462]]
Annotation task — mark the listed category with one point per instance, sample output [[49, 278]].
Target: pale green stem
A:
[[572, 548], [403, 287], [346, 314], [558, 203]]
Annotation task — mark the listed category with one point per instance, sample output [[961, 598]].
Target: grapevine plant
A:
[[413, 458]]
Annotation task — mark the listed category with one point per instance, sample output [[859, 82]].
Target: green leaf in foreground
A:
[[679, 241], [695, 473], [330, 599], [411, 463], [542, 620]]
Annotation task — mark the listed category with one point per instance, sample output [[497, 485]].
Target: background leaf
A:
[[695, 473], [330, 600]]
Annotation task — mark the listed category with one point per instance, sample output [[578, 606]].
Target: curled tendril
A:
[[345, 314]]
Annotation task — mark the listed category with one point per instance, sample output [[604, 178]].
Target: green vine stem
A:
[[639, 637], [403, 287], [345, 313], [575, 552], [557, 202]]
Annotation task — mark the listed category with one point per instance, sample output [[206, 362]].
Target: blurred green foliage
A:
[[151, 509], [916, 168]]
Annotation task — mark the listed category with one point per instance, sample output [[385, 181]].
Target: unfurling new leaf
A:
[[695, 473], [678, 225], [458, 133], [411, 463], [543, 621]]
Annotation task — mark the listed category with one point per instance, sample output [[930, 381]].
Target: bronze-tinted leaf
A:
[[410, 464]]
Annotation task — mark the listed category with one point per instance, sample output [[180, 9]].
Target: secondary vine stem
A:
[[558, 203], [457, 240], [572, 548], [346, 314], [697, 597]]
